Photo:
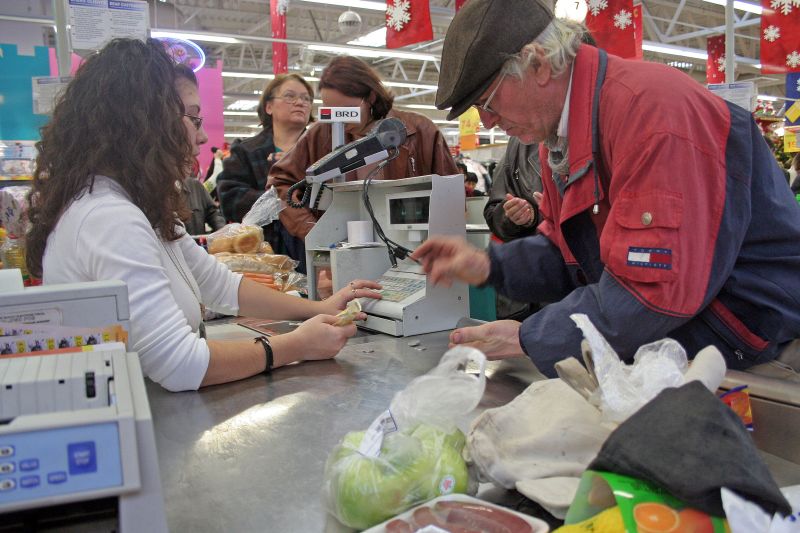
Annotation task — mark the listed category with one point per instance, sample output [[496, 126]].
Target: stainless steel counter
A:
[[249, 456]]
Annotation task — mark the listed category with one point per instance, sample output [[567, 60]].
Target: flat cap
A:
[[481, 37]]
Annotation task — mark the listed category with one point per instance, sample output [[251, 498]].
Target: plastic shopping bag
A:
[[412, 452]]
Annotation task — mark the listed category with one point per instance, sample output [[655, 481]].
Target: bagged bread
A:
[[236, 238]]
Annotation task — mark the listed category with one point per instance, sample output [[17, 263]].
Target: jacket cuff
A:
[[496, 277]]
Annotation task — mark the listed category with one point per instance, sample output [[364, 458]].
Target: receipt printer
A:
[[77, 447]]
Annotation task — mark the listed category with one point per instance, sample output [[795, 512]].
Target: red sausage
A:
[[424, 516], [483, 517], [399, 526]]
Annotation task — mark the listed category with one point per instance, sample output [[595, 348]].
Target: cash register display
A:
[[409, 212], [397, 289]]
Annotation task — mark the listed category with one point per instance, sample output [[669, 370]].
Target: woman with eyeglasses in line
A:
[[350, 82], [284, 111], [104, 206]]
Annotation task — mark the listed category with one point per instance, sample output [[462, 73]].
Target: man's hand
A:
[[518, 210], [449, 259], [498, 340]]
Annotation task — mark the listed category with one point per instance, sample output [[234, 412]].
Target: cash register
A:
[[77, 447], [408, 211]]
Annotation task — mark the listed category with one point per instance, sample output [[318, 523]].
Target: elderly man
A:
[[664, 213]]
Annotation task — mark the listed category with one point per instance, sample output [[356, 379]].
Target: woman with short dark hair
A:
[[350, 82], [105, 207]]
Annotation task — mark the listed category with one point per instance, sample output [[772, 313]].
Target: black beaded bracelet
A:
[[267, 352]]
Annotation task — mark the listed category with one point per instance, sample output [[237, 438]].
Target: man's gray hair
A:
[[560, 41]]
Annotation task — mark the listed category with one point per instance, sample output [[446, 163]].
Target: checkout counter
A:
[[249, 456]]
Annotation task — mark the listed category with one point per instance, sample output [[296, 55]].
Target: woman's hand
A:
[[518, 210], [497, 340], [358, 288], [317, 338]]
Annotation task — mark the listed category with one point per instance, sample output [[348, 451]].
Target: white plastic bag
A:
[[265, 210], [412, 452], [747, 517], [443, 395], [624, 389]]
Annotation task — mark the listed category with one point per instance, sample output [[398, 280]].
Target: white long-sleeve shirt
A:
[[104, 236]]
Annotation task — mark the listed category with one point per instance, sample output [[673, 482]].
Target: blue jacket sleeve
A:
[[530, 269], [550, 335]]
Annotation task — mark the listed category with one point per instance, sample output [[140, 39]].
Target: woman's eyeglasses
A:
[[291, 98], [197, 121]]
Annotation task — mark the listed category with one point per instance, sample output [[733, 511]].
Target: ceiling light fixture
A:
[[253, 75], [742, 6], [373, 38], [367, 52], [694, 53], [203, 37], [419, 106], [674, 50], [358, 4], [258, 76], [243, 105], [240, 113], [410, 85]]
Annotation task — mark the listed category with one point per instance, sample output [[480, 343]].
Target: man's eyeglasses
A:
[[197, 121], [291, 98], [485, 105]]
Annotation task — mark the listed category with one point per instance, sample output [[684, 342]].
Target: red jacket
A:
[[694, 224]]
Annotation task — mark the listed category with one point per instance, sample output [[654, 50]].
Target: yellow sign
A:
[[468, 124], [790, 140], [793, 113]]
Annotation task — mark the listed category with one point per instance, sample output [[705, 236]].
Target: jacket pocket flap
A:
[[650, 210]]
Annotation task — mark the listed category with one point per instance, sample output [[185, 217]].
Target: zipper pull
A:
[[596, 209], [413, 166]]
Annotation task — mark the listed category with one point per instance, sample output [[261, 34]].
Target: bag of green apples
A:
[[411, 453]]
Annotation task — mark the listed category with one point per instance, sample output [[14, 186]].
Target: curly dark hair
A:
[[264, 118], [353, 77], [121, 116]]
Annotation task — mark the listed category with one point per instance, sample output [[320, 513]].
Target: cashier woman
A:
[[105, 207]]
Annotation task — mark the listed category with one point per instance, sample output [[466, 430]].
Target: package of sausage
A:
[[459, 512]]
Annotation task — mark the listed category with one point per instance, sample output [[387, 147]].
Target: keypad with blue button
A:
[[48, 463]]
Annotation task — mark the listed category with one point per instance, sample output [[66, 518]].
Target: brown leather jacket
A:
[[423, 152]]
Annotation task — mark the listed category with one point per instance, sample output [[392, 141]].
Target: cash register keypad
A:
[[396, 289]]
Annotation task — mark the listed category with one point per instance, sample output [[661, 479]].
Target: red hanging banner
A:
[[610, 22], [715, 63], [280, 55], [638, 30], [407, 22], [780, 36]]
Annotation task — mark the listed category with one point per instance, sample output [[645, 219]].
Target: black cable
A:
[[304, 200], [396, 251]]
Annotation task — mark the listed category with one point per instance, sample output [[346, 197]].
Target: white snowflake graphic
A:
[[283, 6], [721, 63], [399, 14], [772, 33], [784, 6], [793, 59], [596, 6], [623, 19]]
